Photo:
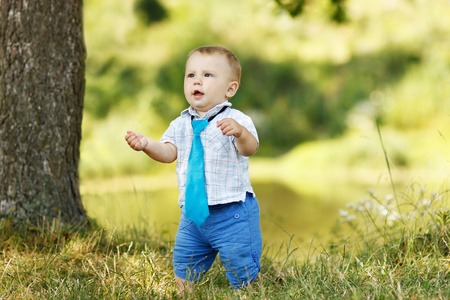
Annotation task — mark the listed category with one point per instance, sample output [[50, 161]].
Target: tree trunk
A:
[[42, 65]]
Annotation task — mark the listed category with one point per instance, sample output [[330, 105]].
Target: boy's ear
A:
[[232, 89]]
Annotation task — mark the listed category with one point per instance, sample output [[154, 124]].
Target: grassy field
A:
[[399, 249]]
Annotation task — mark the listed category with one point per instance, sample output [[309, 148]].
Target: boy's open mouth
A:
[[198, 93]]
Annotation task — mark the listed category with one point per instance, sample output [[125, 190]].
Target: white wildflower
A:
[[393, 216], [350, 218], [426, 202], [383, 210], [343, 213], [363, 205], [436, 196], [371, 192]]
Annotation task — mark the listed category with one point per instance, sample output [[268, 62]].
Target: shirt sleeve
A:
[[169, 136], [247, 122], [251, 127]]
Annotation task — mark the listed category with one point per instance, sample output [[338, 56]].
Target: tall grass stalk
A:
[[388, 165]]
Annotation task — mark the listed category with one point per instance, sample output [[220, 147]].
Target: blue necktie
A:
[[196, 201]]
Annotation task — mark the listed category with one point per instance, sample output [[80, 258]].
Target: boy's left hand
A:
[[230, 127], [246, 142]]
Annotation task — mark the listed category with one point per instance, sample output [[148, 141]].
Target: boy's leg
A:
[[192, 254], [237, 237], [183, 285]]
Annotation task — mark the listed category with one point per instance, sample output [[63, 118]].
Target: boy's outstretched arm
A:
[[162, 152], [246, 142]]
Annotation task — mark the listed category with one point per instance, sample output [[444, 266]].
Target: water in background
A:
[[285, 213]]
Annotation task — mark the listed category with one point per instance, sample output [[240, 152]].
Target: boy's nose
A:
[[197, 81]]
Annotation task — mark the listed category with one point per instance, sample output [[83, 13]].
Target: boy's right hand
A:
[[136, 140]]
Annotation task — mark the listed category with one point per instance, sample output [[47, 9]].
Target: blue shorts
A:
[[232, 230]]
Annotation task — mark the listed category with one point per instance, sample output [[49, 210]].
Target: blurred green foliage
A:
[[338, 13], [283, 98], [111, 82], [304, 78], [150, 11], [293, 7]]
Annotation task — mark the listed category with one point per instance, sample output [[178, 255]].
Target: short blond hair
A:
[[232, 59]]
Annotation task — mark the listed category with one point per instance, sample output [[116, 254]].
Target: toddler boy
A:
[[227, 221]]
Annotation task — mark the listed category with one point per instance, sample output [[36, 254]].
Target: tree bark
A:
[[42, 69]]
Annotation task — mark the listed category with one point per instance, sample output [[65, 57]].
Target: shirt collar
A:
[[192, 112]]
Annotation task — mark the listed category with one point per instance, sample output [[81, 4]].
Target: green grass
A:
[[398, 249]]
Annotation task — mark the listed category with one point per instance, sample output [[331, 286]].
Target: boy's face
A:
[[207, 81]]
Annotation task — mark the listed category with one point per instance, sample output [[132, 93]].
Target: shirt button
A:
[[236, 216]]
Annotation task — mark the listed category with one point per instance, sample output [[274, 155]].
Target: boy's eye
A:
[[208, 75], [190, 75]]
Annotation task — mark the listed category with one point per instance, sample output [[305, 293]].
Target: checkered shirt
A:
[[226, 170]]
